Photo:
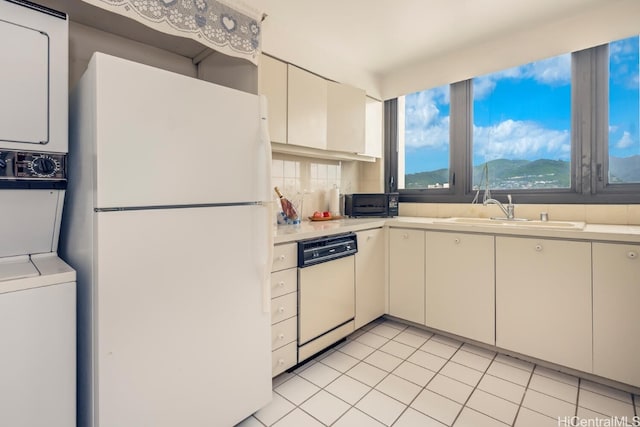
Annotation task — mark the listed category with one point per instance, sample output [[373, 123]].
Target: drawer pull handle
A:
[[456, 240], [405, 236], [632, 254], [281, 284], [280, 362], [281, 337], [280, 309], [539, 248], [282, 257]]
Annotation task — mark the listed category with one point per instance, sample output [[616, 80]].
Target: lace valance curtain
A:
[[228, 26]]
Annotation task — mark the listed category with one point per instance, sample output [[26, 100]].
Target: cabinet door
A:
[[373, 127], [460, 284], [345, 118], [307, 109], [370, 267], [616, 292], [272, 83], [543, 299], [406, 274]]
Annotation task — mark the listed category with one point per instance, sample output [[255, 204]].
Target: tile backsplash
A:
[[306, 182]]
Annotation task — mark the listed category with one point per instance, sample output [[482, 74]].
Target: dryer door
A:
[[24, 84]]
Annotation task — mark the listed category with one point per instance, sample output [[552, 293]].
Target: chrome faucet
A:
[[509, 211]]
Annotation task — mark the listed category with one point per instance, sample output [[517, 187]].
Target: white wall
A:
[[218, 68], [84, 41]]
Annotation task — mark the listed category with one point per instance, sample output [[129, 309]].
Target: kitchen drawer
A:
[[284, 307], [284, 282], [284, 332], [284, 358], [285, 256]]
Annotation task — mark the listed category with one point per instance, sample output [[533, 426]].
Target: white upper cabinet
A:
[[272, 83], [374, 128], [307, 109], [345, 118]]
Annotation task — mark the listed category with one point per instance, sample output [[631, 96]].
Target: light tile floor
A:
[[391, 374]]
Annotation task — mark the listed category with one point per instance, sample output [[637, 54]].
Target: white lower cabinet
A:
[[543, 299], [284, 358], [616, 329], [284, 308], [406, 274], [460, 284], [370, 268]]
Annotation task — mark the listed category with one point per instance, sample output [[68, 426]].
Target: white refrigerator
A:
[[168, 224]]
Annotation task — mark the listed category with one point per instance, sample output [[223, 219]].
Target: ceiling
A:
[[380, 36], [388, 46]]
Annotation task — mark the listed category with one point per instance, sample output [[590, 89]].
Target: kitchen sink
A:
[[518, 222]]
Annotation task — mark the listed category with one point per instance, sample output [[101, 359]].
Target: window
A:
[[624, 112], [425, 144], [522, 126], [559, 130]]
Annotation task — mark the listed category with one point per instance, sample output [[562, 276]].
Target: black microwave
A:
[[371, 204]]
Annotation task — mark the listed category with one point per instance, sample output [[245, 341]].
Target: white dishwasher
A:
[[326, 292]]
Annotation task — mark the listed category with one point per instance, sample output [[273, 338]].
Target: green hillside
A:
[[504, 173]]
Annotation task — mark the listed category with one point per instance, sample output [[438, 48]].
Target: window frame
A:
[[589, 144]]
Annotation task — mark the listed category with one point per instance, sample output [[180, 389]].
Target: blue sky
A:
[[536, 126]]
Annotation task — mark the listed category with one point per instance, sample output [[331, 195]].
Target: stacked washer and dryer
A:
[[37, 288]]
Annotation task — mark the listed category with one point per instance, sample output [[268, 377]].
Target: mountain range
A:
[[523, 174]]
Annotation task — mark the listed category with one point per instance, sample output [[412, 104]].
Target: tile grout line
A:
[[458, 349], [428, 382], [368, 392], [523, 396], [464, 405], [578, 396], [371, 387]]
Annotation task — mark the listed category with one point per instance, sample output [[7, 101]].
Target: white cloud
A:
[[550, 71], [556, 70], [626, 141], [434, 136], [425, 125], [512, 139]]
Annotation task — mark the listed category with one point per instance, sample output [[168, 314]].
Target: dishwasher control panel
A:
[[328, 248]]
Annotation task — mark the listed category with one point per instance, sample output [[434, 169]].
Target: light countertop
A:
[[592, 232]]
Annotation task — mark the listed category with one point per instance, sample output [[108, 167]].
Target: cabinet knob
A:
[[280, 362], [281, 257], [281, 337], [280, 309], [368, 237], [405, 236], [538, 247], [632, 254], [281, 284], [456, 240]]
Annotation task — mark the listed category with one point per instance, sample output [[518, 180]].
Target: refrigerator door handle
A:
[[265, 140], [266, 284]]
